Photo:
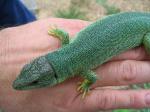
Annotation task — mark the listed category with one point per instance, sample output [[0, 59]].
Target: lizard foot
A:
[[53, 31], [84, 87], [60, 34]]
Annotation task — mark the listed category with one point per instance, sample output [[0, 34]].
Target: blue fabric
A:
[[13, 13]]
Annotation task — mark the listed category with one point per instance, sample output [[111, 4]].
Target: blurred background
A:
[[84, 9], [89, 10]]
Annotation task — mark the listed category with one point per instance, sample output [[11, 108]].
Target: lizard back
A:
[[99, 42]]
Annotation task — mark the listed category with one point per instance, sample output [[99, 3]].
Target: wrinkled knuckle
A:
[[106, 100], [128, 71], [131, 100], [134, 101]]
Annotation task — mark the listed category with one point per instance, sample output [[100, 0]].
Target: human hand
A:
[[21, 44]]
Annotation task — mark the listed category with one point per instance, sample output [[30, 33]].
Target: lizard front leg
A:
[[89, 78], [62, 35]]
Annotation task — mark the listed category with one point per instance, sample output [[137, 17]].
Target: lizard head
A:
[[36, 74]]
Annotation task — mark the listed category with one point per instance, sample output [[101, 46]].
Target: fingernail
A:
[[147, 99]]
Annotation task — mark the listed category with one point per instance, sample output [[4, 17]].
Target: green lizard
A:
[[92, 46]]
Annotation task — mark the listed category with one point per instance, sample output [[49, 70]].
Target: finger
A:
[[137, 53], [123, 73], [112, 99]]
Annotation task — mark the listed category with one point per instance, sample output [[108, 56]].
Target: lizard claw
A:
[[52, 30], [83, 88]]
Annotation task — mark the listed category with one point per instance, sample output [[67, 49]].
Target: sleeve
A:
[[13, 13]]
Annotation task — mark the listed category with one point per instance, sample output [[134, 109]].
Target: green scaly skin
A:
[[92, 46]]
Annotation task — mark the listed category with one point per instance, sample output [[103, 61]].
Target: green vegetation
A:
[[71, 13], [110, 9], [132, 110], [123, 110]]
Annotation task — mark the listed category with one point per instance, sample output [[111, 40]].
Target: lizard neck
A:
[[64, 63]]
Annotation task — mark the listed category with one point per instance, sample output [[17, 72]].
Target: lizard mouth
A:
[[21, 84], [30, 85]]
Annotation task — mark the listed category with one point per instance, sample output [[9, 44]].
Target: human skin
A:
[[19, 45]]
